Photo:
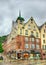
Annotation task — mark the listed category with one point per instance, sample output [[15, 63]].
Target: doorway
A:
[[18, 55]]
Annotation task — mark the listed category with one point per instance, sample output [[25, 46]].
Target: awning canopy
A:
[[26, 52], [34, 52]]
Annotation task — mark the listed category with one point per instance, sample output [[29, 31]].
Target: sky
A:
[[9, 11]]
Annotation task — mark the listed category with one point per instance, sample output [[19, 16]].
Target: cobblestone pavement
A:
[[24, 62]]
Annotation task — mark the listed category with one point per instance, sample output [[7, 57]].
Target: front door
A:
[[18, 55]]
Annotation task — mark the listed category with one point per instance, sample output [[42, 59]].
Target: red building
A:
[[28, 45]]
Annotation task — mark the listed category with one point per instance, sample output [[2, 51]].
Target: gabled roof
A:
[[42, 25], [31, 20]]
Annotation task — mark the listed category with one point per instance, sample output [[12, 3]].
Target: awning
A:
[[26, 52], [36, 52]]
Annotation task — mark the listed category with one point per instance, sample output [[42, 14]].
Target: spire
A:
[[19, 13]]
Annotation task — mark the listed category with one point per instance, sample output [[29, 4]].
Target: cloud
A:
[[9, 10]]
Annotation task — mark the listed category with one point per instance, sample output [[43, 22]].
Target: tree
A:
[[2, 39], [1, 49]]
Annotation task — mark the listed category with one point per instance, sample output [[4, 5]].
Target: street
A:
[[24, 62]]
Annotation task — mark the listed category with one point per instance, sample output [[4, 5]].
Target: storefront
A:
[[11, 54], [35, 55], [26, 54], [44, 55], [19, 55]]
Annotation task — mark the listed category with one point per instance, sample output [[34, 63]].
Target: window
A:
[[12, 38], [20, 31], [26, 39], [32, 39], [43, 35], [29, 27], [37, 40], [44, 31], [31, 18], [36, 34], [45, 26], [32, 33], [32, 46], [37, 46], [34, 28], [26, 32], [44, 47], [43, 41], [26, 45]]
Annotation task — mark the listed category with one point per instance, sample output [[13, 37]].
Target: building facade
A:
[[26, 38], [43, 39]]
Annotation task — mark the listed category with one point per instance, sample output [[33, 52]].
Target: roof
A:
[[42, 25], [31, 20], [20, 18]]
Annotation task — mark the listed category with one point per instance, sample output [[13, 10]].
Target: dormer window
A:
[[31, 18]]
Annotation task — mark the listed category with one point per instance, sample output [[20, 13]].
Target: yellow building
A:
[[43, 37]]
